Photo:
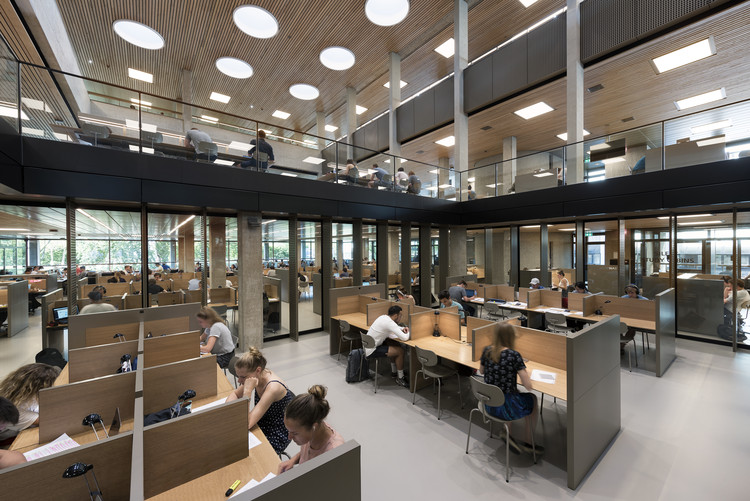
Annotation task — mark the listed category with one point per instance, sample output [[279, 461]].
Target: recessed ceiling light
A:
[[360, 109], [138, 34], [686, 55], [255, 21], [14, 229], [210, 119], [447, 141], [471, 179], [698, 223], [220, 97], [712, 140], [723, 124], [708, 97], [314, 160], [491, 185], [564, 135], [145, 149], [446, 49], [305, 92], [687, 216], [288, 174], [527, 3], [600, 146], [434, 171], [223, 162], [567, 229], [140, 75], [280, 114], [387, 85], [233, 67], [337, 58], [32, 132], [543, 174], [331, 128], [534, 110], [237, 145], [386, 12]]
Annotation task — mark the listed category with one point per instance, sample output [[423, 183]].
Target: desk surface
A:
[[358, 320]]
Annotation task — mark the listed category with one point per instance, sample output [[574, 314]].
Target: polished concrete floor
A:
[[683, 436]]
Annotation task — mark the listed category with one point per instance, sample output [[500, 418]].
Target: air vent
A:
[[595, 88], [628, 119], [487, 127]]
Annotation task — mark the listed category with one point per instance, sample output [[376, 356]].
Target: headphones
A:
[[631, 286]]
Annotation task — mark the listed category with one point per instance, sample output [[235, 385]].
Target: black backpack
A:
[[356, 366], [51, 356]]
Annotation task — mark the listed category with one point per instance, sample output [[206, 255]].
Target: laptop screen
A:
[[60, 313], [471, 293]]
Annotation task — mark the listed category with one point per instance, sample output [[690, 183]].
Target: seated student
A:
[[535, 284], [383, 329], [580, 288], [403, 297], [344, 273], [97, 304], [271, 397], [194, 284], [262, 146], [562, 282], [22, 387], [727, 286], [351, 174], [631, 291], [742, 297], [402, 178], [378, 176], [216, 337], [158, 267], [501, 366], [446, 302], [303, 419], [415, 185], [471, 194], [153, 287], [458, 294], [9, 417]]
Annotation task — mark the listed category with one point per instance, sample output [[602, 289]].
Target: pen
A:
[[232, 488]]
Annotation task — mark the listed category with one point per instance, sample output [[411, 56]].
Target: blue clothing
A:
[[639, 297], [461, 312], [272, 422], [640, 166], [503, 374], [380, 172], [263, 147]]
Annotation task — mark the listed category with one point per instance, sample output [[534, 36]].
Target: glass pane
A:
[[369, 250], [475, 254], [529, 246], [309, 295], [561, 253], [623, 154], [275, 235], [601, 250]]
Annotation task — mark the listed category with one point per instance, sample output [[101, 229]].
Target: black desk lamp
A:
[[119, 337], [80, 470], [91, 420]]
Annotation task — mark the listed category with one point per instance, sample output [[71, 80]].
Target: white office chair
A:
[[209, 149], [556, 322], [494, 312]]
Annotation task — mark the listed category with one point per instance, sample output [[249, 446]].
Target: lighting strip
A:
[[181, 224]]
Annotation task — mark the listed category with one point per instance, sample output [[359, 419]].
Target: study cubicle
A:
[[47, 282], [454, 279], [52, 334], [14, 300], [350, 304]]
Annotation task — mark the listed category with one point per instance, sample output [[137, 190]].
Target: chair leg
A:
[[507, 453], [541, 406], [635, 353], [468, 433], [338, 355], [414, 393], [630, 363], [440, 390], [376, 375]]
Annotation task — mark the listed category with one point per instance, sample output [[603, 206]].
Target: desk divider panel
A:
[[133, 302], [374, 310], [18, 307], [487, 291], [642, 309], [476, 322], [575, 301], [480, 337], [342, 282], [523, 293], [99, 328], [179, 450], [449, 324], [220, 295], [181, 316], [116, 301], [163, 384], [666, 330], [593, 395], [419, 309], [533, 298], [346, 299], [97, 361], [166, 326], [169, 298], [196, 296], [589, 305], [117, 289], [62, 408], [422, 324], [364, 301], [506, 292], [544, 347], [551, 298], [171, 348], [338, 473], [43, 478]]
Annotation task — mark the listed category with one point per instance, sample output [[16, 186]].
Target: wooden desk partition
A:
[[641, 309], [422, 324], [480, 337], [171, 348], [42, 478], [342, 282], [62, 408], [193, 296], [547, 348], [117, 289], [505, 292], [97, 361], [133, 302], [99, 328], [169, 298], [476, 322], [589, 305], [17, 302], [183, 449], [364, 300], [487, 291], [345, 300], [162, 385], [533, 298], [551, 298], [523, 294], [575, 301], [171, 319], [449, 324], [220, 295], [376, 309]]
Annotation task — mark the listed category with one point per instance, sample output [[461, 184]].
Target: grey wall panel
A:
[[382, 127], [510, 68], [424, 111], [606, 25], [444, 102], [546, 50], [405, 121], [666, 330], [371, 136], [478, 84], [656, 14], [358, 138]]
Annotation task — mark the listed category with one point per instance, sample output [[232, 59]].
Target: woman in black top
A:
[[501, 365]]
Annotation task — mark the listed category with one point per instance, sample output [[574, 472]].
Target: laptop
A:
[[471, 293], [60, 315]]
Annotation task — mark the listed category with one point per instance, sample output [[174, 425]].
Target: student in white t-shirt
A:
[[386, 327], [22, 388]]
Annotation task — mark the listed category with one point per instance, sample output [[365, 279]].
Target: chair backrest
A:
[[488, 394], [231, 364], [623, 328], [152, 137], [220, 310], [345, 327], [555, 319], [491, 308], [262, 156], [427, 357], [368, 342], [99, 131], [387, 178], [207, 148]]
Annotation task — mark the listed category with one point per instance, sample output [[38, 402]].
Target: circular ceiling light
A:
[[138, 34], [304, 91], [337, 58], [386, 12], [255, 21], [233, 67]]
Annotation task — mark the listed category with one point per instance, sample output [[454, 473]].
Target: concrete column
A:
[[394, 263], [186, 247], [460, 62], [515, 257], [443, 175], [406, 255], [187, 97], [320, 130], [574, 91], [444, 252], [580, 251], [458, 251], [351, 121], [293, 279], [382, 251], [394, 101], [218, 254], [250, 254], [357, 252], [489, 263], [339, 250], [32, 255], [509, 168], [544, 255]]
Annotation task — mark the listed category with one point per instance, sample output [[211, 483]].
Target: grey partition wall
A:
[[317, 285], [77, 324], [18, 307], [172, 311], [700, 305], [431, 109], [593, 361], [602, 278], [651, 286], [666, 330], [283, 276]]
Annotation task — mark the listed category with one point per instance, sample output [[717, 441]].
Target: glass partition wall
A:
[[309, 278], [561, 253], [275, 241]]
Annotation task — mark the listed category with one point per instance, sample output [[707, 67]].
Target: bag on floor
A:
[[51, 356], [354, 363]]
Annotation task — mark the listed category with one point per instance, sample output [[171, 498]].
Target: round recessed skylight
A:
[[138, 34], [304, 91], [386, 12], [337, 58], [233, 67], [255, 21]]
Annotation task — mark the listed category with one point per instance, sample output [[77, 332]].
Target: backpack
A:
[[51, 356], [356, 364]]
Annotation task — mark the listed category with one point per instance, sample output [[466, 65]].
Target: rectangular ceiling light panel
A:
[[140, 75], [705, 98], [534, 110], [686, 55], [281, 114], [446, 49]]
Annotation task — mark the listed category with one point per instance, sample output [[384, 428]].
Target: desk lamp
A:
[[80, 470], [183, 400], [436, 329], [119, 337], [91, 420]]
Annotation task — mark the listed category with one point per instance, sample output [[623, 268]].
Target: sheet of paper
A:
[[245, 488], [268, 477], [62, 443], [208, 406], [543, 376], [252, 440]]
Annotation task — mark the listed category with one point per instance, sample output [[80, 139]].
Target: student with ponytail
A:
[[304, 418]]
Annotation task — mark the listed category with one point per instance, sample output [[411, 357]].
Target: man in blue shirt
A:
[[377, 176], [446, 302]]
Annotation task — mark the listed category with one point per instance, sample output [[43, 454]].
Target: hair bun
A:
[[318, 391]]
